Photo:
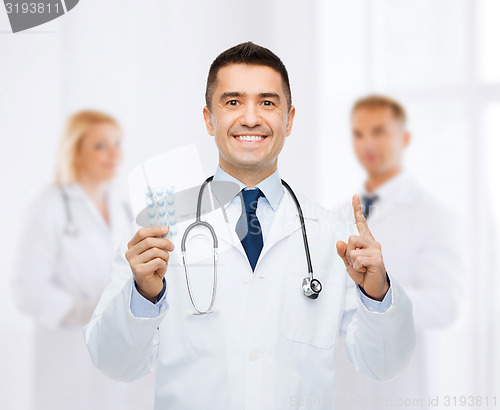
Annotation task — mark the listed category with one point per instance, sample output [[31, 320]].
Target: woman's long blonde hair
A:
[[76, 128]]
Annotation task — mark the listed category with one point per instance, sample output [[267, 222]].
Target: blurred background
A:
[[146, 64]]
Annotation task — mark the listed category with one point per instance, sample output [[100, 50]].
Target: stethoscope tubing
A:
[[307, 282], [303, 228]]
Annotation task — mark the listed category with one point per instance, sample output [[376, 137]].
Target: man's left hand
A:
[[362, 256]]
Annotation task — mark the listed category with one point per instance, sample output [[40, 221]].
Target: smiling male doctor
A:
[[267, 346]]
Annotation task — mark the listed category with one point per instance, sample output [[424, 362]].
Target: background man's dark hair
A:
[[247, 53]]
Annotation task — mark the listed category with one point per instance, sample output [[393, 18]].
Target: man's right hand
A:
[[148, 256]]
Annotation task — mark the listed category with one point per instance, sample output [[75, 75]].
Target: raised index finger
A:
[[361, 223], [146, 232]]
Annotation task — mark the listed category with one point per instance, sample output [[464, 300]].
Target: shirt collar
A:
[[271, 187], [400, 187], [74, 190]]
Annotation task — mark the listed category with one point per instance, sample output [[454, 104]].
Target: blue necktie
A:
[[248, 226], [368, 202]]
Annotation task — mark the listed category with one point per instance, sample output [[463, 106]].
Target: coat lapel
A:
[[286, 221], [76, 192], [398, 193]]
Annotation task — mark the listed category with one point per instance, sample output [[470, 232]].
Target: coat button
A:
[[253, 356]]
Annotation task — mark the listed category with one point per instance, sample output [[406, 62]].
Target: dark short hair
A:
[[252, 54], [382, 101]]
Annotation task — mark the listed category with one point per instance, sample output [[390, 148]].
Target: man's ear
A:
[[207, 116], [289, 121], [406, 138]]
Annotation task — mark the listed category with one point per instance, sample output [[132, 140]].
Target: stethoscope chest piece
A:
[[71, 230], [311, 288]]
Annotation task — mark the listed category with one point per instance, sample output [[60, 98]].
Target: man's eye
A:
[[268, 103], [232, 102]]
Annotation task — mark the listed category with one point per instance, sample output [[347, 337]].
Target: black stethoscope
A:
[[310, 287]]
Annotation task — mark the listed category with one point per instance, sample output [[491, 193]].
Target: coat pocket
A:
[[314, 321]]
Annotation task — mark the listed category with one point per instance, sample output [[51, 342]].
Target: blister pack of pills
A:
[[160, 209]]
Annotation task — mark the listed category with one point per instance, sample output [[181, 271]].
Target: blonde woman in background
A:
[[58, 284]]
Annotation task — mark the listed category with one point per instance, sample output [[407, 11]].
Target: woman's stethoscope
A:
[[70, 228], [310, 286]]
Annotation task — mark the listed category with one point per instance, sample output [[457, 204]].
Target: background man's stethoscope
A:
[[310, 286]]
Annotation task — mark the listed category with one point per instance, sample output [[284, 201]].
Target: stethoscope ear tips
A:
[[311, 288]]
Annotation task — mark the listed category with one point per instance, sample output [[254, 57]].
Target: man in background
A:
[[419, 240]]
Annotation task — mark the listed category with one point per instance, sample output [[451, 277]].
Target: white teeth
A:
[[249, 138]]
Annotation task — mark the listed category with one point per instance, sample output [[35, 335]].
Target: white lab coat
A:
[[267, 346], [58, 274], [421, 248]]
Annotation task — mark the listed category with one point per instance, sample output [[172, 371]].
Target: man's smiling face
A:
[[249, 118]]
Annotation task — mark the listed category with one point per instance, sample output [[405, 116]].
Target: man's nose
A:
[[366, 140], [250, 116], [371, 141]]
